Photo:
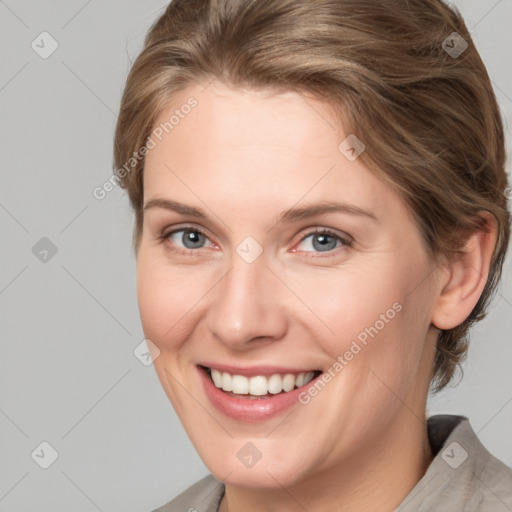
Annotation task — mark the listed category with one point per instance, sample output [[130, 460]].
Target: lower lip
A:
[[247, 409]]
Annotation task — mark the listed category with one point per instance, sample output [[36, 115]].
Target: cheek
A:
[[349, 304], [374, 316], [168, 298]]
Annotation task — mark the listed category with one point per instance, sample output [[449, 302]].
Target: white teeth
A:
[[288, 382], [260, 385], [240, 385], [275, 384], [227, 382], [217, 377], [308, 377]]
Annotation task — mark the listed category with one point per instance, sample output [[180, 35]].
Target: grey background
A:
[[68, 375]]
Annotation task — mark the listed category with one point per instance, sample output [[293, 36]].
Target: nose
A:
[[246, 307]]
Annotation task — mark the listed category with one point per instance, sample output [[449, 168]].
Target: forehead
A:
[[256, 147], [225, 118]]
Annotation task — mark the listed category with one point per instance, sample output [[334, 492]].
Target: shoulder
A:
[[464, 475], [492, 480], [203, 496]]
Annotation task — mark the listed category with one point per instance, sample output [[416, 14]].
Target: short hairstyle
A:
[[406, 85]]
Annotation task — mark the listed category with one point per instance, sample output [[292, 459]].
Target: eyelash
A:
[[345, 241]]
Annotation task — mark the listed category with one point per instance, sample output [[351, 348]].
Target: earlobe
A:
[[466, 277]]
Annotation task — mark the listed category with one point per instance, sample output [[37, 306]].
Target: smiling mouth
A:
[[259, 386]]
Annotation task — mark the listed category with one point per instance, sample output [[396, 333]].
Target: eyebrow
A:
[[291, 215]]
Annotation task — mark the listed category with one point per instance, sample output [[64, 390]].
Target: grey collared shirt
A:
[[463, 477]]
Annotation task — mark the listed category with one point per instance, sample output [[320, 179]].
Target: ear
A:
[[466, 275]]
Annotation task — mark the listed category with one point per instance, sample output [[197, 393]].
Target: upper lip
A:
[[252, 371]]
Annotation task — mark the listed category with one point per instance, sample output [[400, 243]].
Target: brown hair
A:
[[428, 116]]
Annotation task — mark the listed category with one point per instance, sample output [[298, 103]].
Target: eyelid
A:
[[346, 239], [185, 227]]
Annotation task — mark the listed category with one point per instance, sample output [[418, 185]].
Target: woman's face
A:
[[272, 255]]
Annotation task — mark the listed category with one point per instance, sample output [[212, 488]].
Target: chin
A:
[[257, 464]]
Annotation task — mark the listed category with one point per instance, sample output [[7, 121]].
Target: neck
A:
[[376, 480]]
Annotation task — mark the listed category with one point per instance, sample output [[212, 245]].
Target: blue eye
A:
[[189, 238], [323, 241]]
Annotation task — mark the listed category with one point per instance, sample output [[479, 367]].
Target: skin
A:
[[244, 157]]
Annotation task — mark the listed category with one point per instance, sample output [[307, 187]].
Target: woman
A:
[[321, 215]]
